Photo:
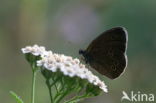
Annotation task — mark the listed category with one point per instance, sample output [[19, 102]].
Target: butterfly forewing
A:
[[108, 52]]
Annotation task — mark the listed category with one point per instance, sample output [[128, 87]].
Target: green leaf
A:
[[18, 99]]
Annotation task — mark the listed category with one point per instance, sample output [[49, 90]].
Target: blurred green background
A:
[[65, 26]]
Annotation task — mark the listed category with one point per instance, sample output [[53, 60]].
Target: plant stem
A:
[[77, 98], [33, 87], [67, 92], [58, 101], [55, 86], [50, 93]]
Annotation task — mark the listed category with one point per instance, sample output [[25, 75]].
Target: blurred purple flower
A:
[[78, 23]]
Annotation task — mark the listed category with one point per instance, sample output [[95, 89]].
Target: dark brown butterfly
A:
[[107, 53]]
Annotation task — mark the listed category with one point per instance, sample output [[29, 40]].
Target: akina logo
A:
[[137, 96]]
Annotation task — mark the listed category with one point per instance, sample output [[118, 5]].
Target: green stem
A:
[[67, 92], [77, 98], [33, 87], [51, 96], [55, 82], [55, 86], [50, 93], [59, 93], [64, 94]]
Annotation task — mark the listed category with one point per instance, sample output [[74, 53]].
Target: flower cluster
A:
[[66, 64], [35, 50]]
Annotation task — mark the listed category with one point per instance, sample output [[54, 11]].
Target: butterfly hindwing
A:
[[108, 52]]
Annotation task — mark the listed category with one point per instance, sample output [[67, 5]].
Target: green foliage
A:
[[32, 59], [17, 98], [93, 90], [61, 86]]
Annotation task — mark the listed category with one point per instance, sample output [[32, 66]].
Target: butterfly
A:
[[107, 53]]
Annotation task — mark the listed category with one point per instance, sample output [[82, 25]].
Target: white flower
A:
[[66, 64], [35, 50]]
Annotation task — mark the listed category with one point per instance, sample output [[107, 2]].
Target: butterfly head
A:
[[86, 57], [81, 52]]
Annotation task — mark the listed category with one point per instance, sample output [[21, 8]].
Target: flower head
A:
[[35, 50], [65, 64]]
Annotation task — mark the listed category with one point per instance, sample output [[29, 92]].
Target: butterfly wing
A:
[[108, 52]]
